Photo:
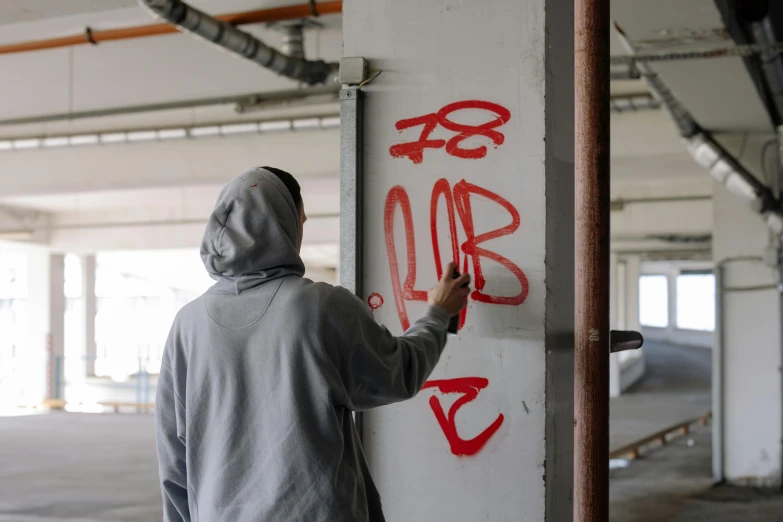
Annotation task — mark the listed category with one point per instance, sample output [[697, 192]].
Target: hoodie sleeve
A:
[[170, 439], [377, 368]]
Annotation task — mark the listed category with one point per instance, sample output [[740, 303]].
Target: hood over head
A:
[[251, 234]]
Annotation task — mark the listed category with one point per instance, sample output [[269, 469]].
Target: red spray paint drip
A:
[[469, 387]]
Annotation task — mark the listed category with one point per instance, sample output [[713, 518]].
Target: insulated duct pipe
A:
[[191, 20], [710, 154]]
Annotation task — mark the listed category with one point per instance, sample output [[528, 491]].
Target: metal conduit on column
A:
[[591, 356]]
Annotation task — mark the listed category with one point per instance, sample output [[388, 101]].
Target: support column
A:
[[748, 349], [89, 310], [622, 296], [615, 304], [633, 269], [671, 278], [468, 135], [56, 337], [46, 325]]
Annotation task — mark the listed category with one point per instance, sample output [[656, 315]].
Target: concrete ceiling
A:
[[718, 91], [15, 11], [138, 71], [321, 196]]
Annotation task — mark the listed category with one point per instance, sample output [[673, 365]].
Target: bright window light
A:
[[275, 126], [198, 132], [142, 136], [696, 301], [59, 141], [114, 137], [172, 134], [27, 144], [654, 301], [330, 123], [238, 128], [6, 145], [85, 139], [309, 123]]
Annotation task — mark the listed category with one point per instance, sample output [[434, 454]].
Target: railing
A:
[[661, 437]]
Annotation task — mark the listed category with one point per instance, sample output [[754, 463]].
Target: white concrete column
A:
[[671, 275], [632, 273], [46, 324], [622, 295], [748, 348], [452, 72], [625, 294], [89, 310], [56, 325], [614, 306]]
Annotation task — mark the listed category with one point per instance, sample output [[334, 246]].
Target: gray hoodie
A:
[[261, 373]]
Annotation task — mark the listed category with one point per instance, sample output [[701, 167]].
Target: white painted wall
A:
[[434, 55], [750, 343]]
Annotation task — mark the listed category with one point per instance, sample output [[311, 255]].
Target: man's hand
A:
[[450, 294]]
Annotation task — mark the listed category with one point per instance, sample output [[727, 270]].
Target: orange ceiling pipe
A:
[[276, 14]]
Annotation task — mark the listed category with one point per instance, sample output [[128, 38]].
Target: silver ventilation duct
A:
[[191, 20]]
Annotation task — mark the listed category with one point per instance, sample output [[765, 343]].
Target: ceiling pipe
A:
[[191, 20], [94, 37], [242, 102], [771, 65], [710, 154]]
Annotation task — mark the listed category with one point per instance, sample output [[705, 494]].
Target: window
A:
[[696, 301], [654, 301]]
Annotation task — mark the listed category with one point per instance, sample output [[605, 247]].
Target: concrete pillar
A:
[[632, 272], [46, 323], [671, 275], [746, 373], [89, 310], [624, 291], [614, 306], [468, 133], [622, 295]]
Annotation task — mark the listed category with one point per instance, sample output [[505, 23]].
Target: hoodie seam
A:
[[223, 227], [174, 389], [261, 316]]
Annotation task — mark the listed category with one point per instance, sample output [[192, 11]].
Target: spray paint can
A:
[[454, 320]]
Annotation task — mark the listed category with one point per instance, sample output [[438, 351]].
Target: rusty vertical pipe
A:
[[591, 350]]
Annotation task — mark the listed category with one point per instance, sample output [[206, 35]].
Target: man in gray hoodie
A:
[[261, 374]]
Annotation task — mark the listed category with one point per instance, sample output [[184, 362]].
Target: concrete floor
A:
[[674, 483], [78, 467], [71, 467], [675, 387]]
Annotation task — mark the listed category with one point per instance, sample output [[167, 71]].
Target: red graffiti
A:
[[469, 387], [414, 150], [375, 301], [457, 204]]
